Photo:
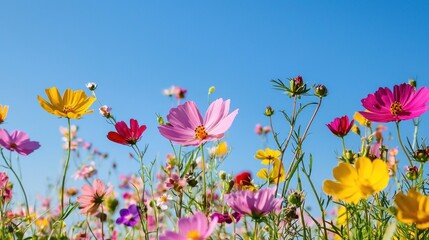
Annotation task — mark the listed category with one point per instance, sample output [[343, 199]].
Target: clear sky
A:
[[135, 49]]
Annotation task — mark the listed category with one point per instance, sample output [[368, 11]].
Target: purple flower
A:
[[18, 141], [226, 217], [129, 216], [254, 204], [195, 227]]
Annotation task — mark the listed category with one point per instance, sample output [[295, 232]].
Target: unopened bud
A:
[[268, 111], [160, 120], [222, 174], [91, 86], [412, 173], [211, 89], [412, 82], [321, 91]]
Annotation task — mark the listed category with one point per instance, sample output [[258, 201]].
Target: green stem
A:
[[66, 165], [255, 236], [9, 165], [203, 169], [402, 145]]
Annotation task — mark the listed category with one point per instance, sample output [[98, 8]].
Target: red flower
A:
[[340, 126], [125, 135], [243, 179]]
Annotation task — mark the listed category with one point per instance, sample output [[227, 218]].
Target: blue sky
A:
[[135, 49]]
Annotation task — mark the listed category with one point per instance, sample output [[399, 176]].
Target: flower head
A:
[[195, 227], [73, 104], [129, 216], [3, 112], [268, 156], [93, 196], [91, 86], [227, 218], [273, 175], [255, 204], [187, 127], [413, 208], [17, 141], [357, 182], [105, 111], [243, 179], [162, 201], [402, 104], [127, 135], [340, 126]]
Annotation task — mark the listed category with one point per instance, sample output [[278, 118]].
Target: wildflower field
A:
[[187, 195]]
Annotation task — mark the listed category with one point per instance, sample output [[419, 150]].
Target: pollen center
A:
[[396, 108], [194, 234], [200, 132], [67, 109]]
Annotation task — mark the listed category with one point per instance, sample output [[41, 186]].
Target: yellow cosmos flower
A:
[[42, 223], [413, 208], [361, 120], [357, 182], [268, 156], [221, 149], [3, 112], [272, 175], [73, 104]]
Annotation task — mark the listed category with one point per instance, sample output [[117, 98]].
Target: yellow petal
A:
[[364, 167], [345, 174]]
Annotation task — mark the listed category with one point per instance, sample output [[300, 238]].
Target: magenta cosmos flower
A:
[[127, 135], [93, 196], [254, 204], [187, 127], [195, 227], [17, 141], [403, 104], [340, 126]]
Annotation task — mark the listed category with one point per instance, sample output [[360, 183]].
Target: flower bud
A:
[[412, 173], [356, 129], [91, 86], [160, 120], [421, 155], [412, 82], [105, 111], [268, 111], [321, 91], [296, 198], [222, 175], [211, 89]]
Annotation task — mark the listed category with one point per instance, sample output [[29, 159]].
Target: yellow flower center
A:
[[163, 198], [194, 235], [200, 132], [396, 108]]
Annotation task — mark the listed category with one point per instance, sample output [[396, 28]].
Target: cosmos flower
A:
[[402, 104], [73, 104], [221, 218], [187, 127], [195, 227], [243, 179], [268, 156], [129, 216], [255, 204], [127, 135], [340, 126], [3, 112], [162, 201], [93, 196], [17, 141], [105, 111], [273, 175], [413, 208], [357, 182]]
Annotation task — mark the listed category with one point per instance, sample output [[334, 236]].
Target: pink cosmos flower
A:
[[86, 171], [187, 127], [403, 104], [195, 227], [18, 141], [127, 135], [340, 126], [254, 204], [93, 196]]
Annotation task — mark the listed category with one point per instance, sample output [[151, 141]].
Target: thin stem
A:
[[66, 165], [203, 169], [255, 236], [402, 145], [9, 165]]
